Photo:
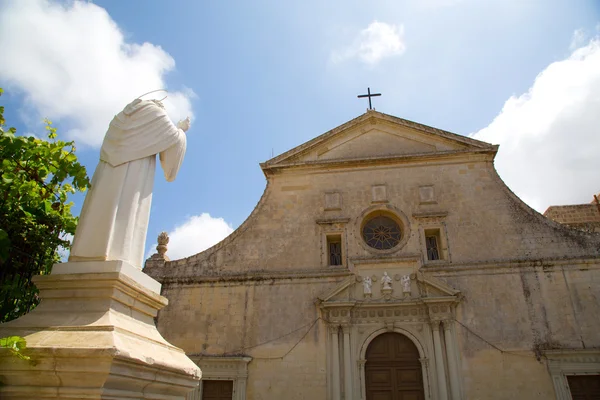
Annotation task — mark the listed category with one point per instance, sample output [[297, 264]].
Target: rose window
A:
[[381, 233]]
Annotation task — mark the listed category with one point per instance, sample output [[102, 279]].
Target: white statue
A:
[[386, 281], [405, 280], [114, 218], [367, 283]]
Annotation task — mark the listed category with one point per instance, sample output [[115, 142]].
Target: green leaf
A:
[[16, 345], [8, 177], [13, 342], [47, 207], [37, 178]]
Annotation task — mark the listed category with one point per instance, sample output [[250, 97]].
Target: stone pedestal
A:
[[93, 337]]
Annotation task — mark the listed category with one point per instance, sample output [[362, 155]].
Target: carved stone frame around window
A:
[[434, 221], [562, 363], [223, 368], [332, 227], [386, 210]]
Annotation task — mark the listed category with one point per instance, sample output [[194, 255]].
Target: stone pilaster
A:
[[241, 388], [439, 361], [347, 364], [452, 361], [335, 373]]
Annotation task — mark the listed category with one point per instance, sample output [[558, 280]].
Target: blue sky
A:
[[262, 77]]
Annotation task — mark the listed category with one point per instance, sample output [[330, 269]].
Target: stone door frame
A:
[[401, 330], [564, 362], [426, 316], [223, 368], [428, 322]]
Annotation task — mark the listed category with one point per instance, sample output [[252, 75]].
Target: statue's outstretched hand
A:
[[184, 124]]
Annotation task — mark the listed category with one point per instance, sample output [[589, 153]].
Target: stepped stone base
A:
[[93, 337]]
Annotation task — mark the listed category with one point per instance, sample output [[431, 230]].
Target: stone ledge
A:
[[257, 276], [513, 265], [93, 337], [95, 267]]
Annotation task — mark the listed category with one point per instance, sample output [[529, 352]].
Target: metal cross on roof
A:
[[369, 95]]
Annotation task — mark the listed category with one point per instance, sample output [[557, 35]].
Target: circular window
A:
[[381, 233]]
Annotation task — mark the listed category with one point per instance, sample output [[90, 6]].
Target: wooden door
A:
[[393, 369], [584, 387], [217, 390]]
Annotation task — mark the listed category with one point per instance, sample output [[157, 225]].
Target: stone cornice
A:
[[378, 303], [573, 355], [385, 259], [258, 276], [372, 116], [512, 265], [440, 157], [425, 309], [331, 221], [84, 286], [446, 269], [432, 214], [217, 361]]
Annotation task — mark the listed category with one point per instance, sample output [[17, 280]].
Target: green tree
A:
[[37, 177]]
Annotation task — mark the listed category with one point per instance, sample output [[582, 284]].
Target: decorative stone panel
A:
[[379, 194], [333, 201], [427, 194]]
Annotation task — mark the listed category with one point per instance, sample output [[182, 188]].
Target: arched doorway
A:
[[393, 369]]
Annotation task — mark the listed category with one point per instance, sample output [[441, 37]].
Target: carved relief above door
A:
[[390, 302]]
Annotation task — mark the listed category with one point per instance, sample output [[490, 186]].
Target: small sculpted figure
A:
[[116, 210], [386, 281], [405, 280], [367, 283]]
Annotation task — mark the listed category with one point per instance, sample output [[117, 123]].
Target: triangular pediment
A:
[[434, 287], [377, 135], [340, 291]]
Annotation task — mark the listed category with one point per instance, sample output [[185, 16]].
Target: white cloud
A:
[[374, 43], [549, 137], [578, 39], [196, 234], [73, 65]]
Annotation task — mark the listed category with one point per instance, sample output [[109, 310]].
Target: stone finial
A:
[[163, 241], [161, 248]]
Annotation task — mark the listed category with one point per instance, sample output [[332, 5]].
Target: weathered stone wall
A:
[[580, 216], [275, 321], [484, 222], [523, 309], [528, 284]]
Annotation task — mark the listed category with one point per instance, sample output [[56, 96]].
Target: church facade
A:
[[387, 260]]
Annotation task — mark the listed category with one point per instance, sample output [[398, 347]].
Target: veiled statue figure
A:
[[115, 214]]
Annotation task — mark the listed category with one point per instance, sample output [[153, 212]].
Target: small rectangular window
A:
[[334, 249], [432, 243], [217, 390]]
